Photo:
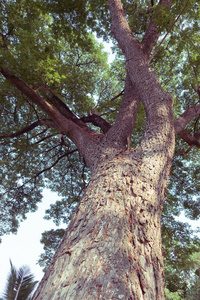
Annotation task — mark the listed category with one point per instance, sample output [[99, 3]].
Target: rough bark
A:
[[112, 248]]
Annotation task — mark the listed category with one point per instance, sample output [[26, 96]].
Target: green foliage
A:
[[51, 240], [20, 284], [180, 245], [50, 45], [183, 283], [76, 70], [172, 295]]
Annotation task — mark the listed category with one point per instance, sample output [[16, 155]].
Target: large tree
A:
[[112, 248]]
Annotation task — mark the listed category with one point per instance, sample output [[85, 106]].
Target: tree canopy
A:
[[52, 47]]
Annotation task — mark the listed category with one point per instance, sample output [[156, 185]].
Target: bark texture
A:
[[112, 248]]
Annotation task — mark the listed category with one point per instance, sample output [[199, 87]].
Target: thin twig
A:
[[188, 38], [181, 152], [42, 122], [156, 50]]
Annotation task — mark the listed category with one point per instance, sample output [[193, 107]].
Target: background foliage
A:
[[52, 47]]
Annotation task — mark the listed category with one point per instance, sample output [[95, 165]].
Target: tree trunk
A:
[[112, 248]]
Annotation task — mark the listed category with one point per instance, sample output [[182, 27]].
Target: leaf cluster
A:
[[20, 283]]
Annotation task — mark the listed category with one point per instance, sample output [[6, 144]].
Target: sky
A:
[[25, 247]]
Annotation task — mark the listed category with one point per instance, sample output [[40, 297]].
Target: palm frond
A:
[[20, 284]]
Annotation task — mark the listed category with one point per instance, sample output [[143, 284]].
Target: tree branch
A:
[[44, 139], [191, 140], [157, 48], [186, 117], [122, 129], [97, 121], [182, 121], [145, 82], [57, 160], [46, 169], [181, 152], [65, 111], [30, 93], [121, 29], [78, 136], [151, 36], [46, 122]]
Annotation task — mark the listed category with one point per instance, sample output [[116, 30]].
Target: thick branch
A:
[[66, 112], [191, 140], [157, 103], [121, 131], [46, 122], [186, 117], [78, 136], [30, 93], [181, 123], [151, 36], [97, 121], [119, 134], [120, 28]]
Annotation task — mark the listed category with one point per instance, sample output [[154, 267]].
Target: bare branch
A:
[[186, 117], [4, 46], [181, 152], [30, 93], [45, 122], [197, 135], [195, 127], [120, 94], [151, 36], [191, 140], [156, 50], [44, 139], [106, 106], [44, 170], [123, 127], [78, 136], [53, 165], [97, 121]]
